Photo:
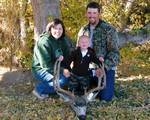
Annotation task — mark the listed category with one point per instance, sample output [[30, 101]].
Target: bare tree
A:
[[43, 10], [23, 35], [127, 12]]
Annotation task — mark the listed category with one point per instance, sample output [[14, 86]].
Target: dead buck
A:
[[78, 103]]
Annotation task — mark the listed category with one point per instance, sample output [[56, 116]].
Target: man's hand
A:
[[66, 73], [101, 59]]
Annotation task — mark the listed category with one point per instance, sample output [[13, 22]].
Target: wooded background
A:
[[22, 21]]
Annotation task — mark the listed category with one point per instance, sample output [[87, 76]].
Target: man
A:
[[104, 40]]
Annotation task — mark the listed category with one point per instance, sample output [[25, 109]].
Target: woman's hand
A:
[[61, 58], [101, 59]]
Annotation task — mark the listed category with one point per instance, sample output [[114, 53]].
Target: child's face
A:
[[84, 43]]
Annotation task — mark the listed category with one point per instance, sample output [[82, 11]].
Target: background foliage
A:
[[132, 96], [17, 52]]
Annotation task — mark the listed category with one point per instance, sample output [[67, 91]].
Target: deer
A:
[[78, 103]]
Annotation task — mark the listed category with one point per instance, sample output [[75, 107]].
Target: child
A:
[[81, 57]]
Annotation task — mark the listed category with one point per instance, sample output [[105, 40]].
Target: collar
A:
[[99, 24]]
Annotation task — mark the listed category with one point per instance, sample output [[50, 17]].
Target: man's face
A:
[[93, 15]]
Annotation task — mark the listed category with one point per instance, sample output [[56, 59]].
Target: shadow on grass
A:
[[18, 81]]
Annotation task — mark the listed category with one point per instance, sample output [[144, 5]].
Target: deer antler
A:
[[59, 90], [100, 85], [78, 103], [56, 83]]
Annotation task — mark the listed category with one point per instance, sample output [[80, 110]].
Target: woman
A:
[[53, 44]]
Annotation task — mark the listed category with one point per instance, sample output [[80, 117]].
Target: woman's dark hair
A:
[[55, 22], [94, 5]]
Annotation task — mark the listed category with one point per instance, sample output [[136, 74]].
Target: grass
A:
[[135, 60], [131, 101]]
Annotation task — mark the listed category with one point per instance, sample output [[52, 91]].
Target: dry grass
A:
[[131, 101]]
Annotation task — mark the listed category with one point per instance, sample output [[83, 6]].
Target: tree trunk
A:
[[23, 34], [140, 37], [43, 10], [127, 12]]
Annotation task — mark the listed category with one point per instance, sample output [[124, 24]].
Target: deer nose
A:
[[82, 117]]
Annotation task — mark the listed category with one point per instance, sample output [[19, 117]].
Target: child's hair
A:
[[81, 37]]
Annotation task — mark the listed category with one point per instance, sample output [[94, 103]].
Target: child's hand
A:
[[61, 58], [99, 72], [66, 73]]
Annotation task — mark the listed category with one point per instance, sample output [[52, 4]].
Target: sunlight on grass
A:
[[135, 60]]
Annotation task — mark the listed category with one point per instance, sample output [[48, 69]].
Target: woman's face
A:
[[57, 31]]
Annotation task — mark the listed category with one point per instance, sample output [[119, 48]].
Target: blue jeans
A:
[[108, 92], [45, 86]]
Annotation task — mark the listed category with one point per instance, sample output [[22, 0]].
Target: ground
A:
[[131, 101], [14, 78]]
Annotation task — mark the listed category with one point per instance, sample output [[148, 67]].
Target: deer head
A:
[[78, 103]]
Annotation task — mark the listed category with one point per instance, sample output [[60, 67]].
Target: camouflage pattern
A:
[[105, 42]]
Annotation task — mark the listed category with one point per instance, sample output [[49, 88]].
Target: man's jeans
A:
[[45, 86], [108, 92]]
